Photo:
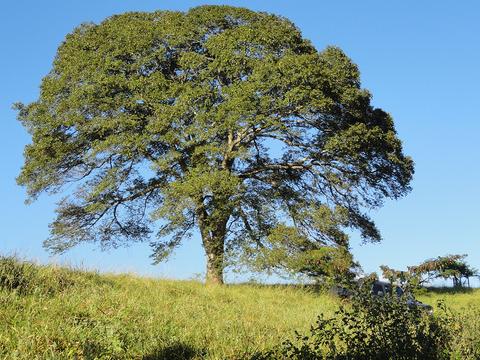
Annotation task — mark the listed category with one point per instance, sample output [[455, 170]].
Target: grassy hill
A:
[[48, 312]]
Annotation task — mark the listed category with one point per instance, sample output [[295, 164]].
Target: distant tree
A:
[[219, 119], [452, 267], [406, 280]]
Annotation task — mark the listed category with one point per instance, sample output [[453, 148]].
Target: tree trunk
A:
[[213, 231], [214, 249]]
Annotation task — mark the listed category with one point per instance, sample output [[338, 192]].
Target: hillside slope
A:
[[47, 312], [58, 313]]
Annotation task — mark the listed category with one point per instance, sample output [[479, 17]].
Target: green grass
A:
[[454, 299], [59, 313], [465, 309], [48, 312]]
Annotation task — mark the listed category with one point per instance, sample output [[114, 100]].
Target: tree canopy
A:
[[452, 267], [219, 119]]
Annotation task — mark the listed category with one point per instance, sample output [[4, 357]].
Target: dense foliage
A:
[[371, 328], [219, 119]]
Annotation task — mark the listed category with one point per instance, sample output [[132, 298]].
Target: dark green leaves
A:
[[219, 118]]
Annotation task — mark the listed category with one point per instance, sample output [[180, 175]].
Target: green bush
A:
[[372, 328]]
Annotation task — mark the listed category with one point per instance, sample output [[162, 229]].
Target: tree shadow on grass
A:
[[176, 351]]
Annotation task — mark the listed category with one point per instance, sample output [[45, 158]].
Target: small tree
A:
[[219, 119], [406, 280], [452, 267]]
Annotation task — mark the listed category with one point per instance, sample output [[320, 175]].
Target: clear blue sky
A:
[[420, 59]]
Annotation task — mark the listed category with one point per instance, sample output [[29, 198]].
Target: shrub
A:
[[371, 328]]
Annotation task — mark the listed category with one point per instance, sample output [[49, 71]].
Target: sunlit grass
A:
[[453, 299], [123, 316], [48, 312]]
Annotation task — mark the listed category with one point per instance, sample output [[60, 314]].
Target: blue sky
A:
[[419, 59]]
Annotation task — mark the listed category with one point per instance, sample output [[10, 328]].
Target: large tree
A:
[[219, 119]]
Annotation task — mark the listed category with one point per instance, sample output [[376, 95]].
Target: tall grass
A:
[[47, 312], [464, 308], [53, 313]]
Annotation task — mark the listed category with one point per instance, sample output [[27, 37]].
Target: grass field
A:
[[56, 313]]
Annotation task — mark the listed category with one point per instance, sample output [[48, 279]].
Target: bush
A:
[[372, 328]]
